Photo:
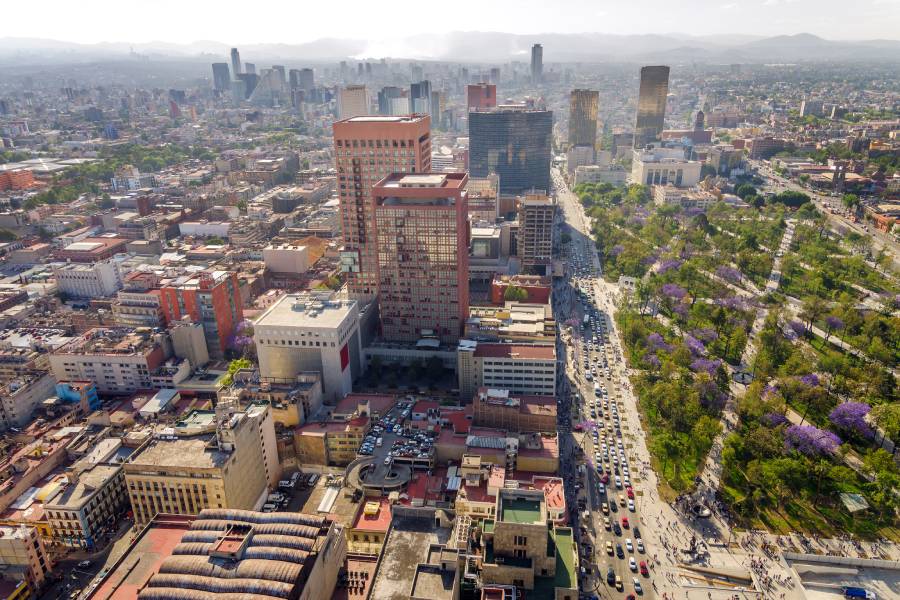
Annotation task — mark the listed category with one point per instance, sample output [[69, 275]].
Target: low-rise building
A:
[[611, 174], [24, 562], [515, 322], [521, 414], [85, 513], [659, 166], [520, 368], [96, 280], [330, 443], [21, 396]]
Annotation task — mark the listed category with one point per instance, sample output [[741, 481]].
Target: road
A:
[[601, 432]]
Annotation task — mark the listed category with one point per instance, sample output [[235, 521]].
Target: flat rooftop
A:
[[301, 310], [406, 546], [181, 452], [89, 482], [519, 510]]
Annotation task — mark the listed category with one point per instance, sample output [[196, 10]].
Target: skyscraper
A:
[[423, 255], [307, 79], [250, 68], [583, 107], [221, 77], [481, 95], [281, 74], [651, 109], [420, 97], [535, 238], [537, 63], [392, 101], [515, 143], [235, 62], [367, 149], [353, 101]]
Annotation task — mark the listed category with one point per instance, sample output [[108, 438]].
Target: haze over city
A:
[[453, 301]]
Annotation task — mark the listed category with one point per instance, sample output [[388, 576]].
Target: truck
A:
[[858, 592], [586, 321]]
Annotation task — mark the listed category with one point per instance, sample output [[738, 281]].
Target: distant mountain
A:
[[482, 47]]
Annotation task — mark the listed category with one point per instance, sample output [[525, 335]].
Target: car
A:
[[604, 479], [632, 564], [637, 532], [617, 529], [640, 545], [644, 570], [631, 505], [605, 508], [629, 491], [628, 545], [613, 507], [619, 552], [601, 488], [84, 564], [606, 524], [610, 576], [609, 548], [637, 585], [625, 522], [618, 479], [618, 583]]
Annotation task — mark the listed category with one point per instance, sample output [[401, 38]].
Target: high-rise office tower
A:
[[249, 68], [392, 98], [699, 121], [651, 109], [294, 79], [366, 150], [495, 75], [420, 98], [307, 79], [281, 75], [537, 63], [535, 238], [481, 95], [221, 77], [514, 142], [423, 255], [235, 62], [583, 107], [353, 101]]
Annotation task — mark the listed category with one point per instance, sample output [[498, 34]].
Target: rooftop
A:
[[406, 546], [520, 510], [89, 482], [194, 452], [307, 310], [374, 516], [514, 351]]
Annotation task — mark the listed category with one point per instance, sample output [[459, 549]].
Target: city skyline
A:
[[871, 19]]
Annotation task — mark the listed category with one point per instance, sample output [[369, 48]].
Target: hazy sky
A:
[[291, 21]]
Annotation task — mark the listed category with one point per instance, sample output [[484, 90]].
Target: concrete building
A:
[[330, 443], [481, 95], [86, 511], [521, 414], [353, 101], [515, 321], [660, 166], [211, 298], [537, 63], [522, 547], [138, 309], [583, 108], [651, 110], [669, 195], [97, 280], [21, 396], [292, 403], [612, 174], [189, 342], [245, 553], [286, 258], [24, 562], [535, 239], [311, 332], [514, 142], [423, 256], [367, 149], [536, 287], [221, 77], [207, 460], [119, 361], [520, 368]]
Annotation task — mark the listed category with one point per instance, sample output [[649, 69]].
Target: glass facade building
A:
[[514, 143]]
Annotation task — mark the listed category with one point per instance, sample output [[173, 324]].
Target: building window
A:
[[520, 540]]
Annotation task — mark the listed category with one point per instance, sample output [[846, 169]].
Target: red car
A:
[[643, 568], [625, 522], [604, 479], [630, 492]]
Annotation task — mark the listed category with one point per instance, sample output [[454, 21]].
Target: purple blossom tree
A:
[[652, 361], [705, 365], [810, 379], [711, 397], [774, 419], [851, 417], [617, 250], [810, 440], [668, 265], [832, 323], [729, 274], [674, 291], [657, 342], [797, 328], [681, 310], [705, 334], [696, 347]]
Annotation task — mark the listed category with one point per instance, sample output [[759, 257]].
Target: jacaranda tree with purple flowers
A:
[[810, 440], [851, 417], [832, 323], [729, 274]]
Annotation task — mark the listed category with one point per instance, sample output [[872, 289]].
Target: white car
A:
[[631, 505], [640, 545], [618, 482], [629, 545], [632, 564]]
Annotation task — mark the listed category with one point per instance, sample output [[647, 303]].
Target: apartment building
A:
[[21, 396], [85, 512], [118, 360], [331, 443], [94, 280], [24, 562], [512, 412], [535, 239], [520, 368], [207, 460]]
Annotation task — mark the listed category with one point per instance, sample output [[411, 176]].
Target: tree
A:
[[887, 417], [744, 190], [850, 202], [813, 308], [215, 241], [434, 368], [514, 293], [233, 367], [106, 202]]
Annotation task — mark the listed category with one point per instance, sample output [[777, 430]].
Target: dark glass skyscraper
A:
[[513, 142], [221, 77], [583, 108], [651, 109], [537, 63], [235, 62]]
